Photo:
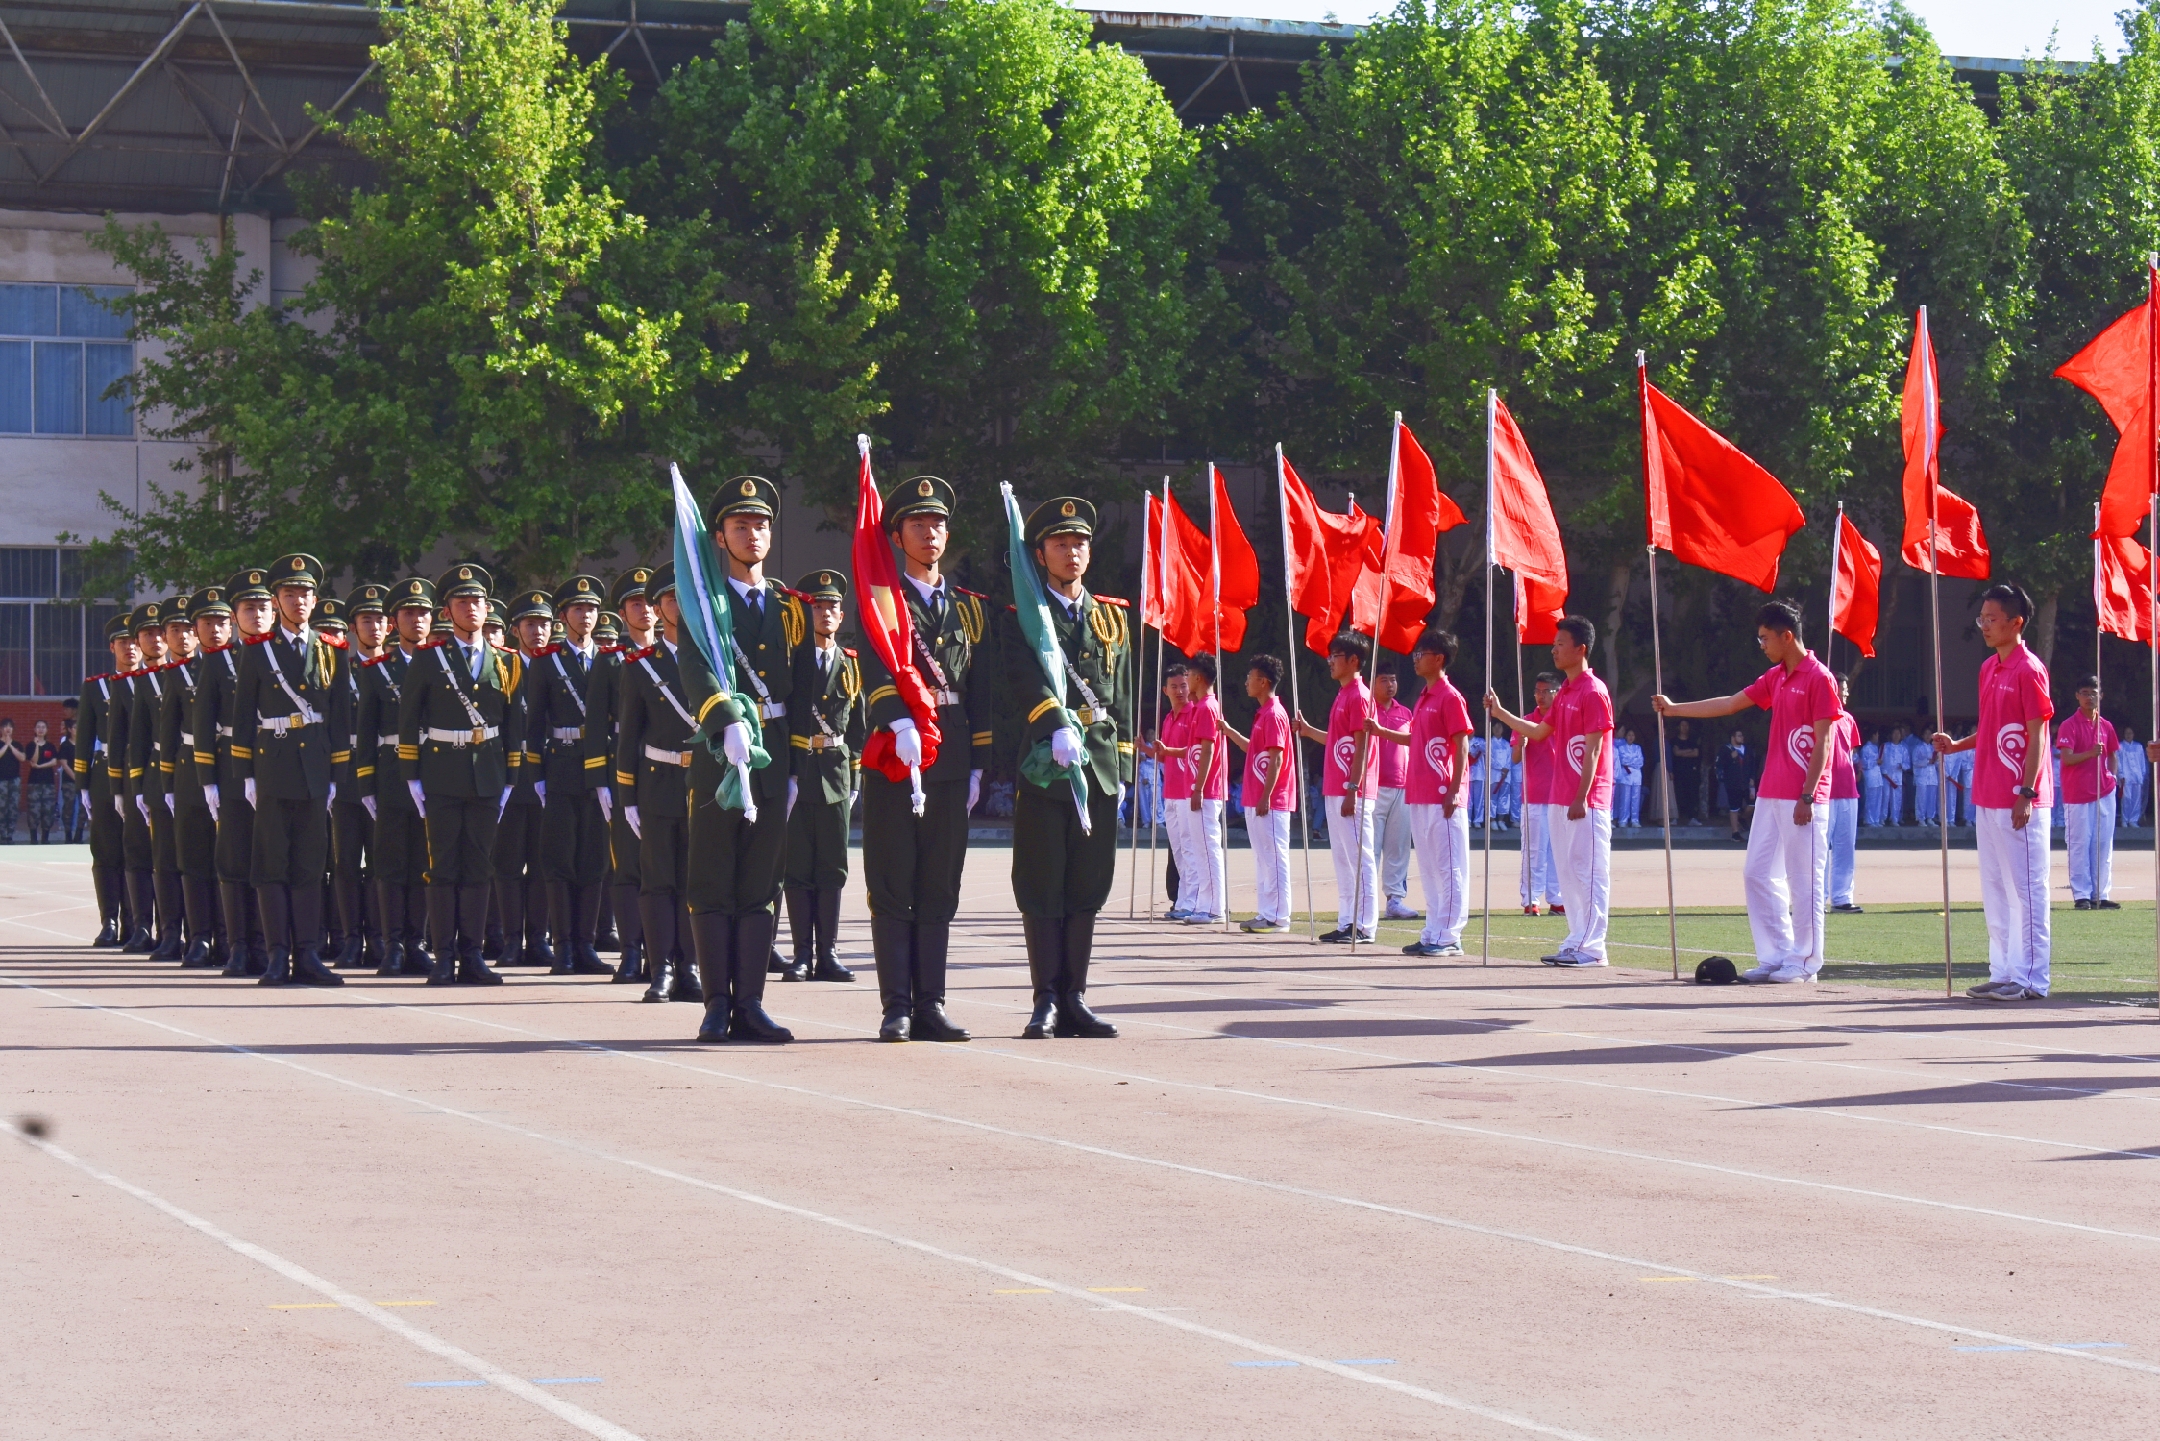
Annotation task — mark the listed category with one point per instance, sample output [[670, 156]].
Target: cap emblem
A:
[[922, 487], [584, 585], [1066, 510], [464, 572], [749, 487], [254, 577], [299, 564]]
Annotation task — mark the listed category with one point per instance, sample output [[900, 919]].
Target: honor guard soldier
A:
[[736, 863], [94, 728], [518, 895], [288, 720], [653, 739], [828, 743], [176, 692], [458, 722], [912, 863], [573, 834], [248, 593], [1062, 871], [136, 762], [628, 601], [399, 850], [352, 827], [348, 818], [607, 643], [194, 827]]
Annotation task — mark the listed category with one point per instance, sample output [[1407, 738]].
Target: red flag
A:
[[1322, 552], [1185, 559], [1420, 511], [1239, 576], [2122, 587], [1855, 587], [1524, 536], [2121, 370], [1961, 547], [1705, 501], [885, 624]]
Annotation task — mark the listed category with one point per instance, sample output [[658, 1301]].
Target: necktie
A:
[[755, 599]]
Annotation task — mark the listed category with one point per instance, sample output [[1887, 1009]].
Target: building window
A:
[[60, 350], [50, 638]]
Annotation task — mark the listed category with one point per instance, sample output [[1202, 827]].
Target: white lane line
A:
[[1025, 1278], [427, 1341], [1755, 1290]]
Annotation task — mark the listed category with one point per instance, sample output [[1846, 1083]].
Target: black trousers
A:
[[517, 841], [136, 847], [164, 839], [352, 836], [1057, 868], [663, 855], [398, 849], [912, 864], [292, 843], [735, 863], [573, 839], [461, 840], [195, 833], [817, 850], [235, 837]]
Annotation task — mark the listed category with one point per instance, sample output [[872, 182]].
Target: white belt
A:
[[284, 724], [389, 740], [187, 741], [568, 733], [224, 733], [461, 738], [949, 697], [667, 757], [827, 743], [772, 709], [1087, 716]]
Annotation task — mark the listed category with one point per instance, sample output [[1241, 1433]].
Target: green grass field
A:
[[2100, 955]]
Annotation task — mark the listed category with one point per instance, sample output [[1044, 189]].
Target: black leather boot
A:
[[747, 1020], [931, 1024], [631, 969], [198, 901], [604, 937], [307, 922], [274, 904], [802, 930], [233, 901], [308, 970], [142, 901], [472, 968], [345, 892], [279, 971], [1073, 1016], [713, 937], [1045, 936], [442, 935], [581, 940], [390, 909], [828, 967], [629, 920], [171, 942], [892, 947], [105, 884], [563, 960], [687, 985], [658, 915]]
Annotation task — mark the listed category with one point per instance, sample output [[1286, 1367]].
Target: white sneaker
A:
[[1397, 911], [2000, 991], [1788, 976], [1197, 919], [1763, 972]]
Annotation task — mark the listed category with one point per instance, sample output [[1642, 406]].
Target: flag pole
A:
[[1297, 742], [1139, 674], [1357, 801], [2152, 545], [1214, 524], [1657, 662], [1485, 941], [1928, 431], [1162, 591]]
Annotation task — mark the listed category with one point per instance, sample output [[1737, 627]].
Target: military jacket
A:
[[653, 733], [1098, 685], [118, 715], [93, 734], [835, 721], [288, 716], [603, 703], [144, 777], [460, 736], [177, 772], [217, 672], [379, 685], [558, 714], [766, 648], [945, 654], [349, 754]]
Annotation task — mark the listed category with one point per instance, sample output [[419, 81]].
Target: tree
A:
[[472, 358]]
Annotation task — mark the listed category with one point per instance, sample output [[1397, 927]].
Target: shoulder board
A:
[[963, 590], [505, 649], [1014, 609], [1114, 600], [848, 653], [214, 649], [790, 592], [263, 639], [337, 642], [545, 651], [375, 660], [609, 650], [645, 654]]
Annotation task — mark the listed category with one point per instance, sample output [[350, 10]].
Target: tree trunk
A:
[[2040, 635], [1618, 580]]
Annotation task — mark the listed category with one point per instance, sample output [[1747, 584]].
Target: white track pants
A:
[[1350, 843], [2092, 848], [1539, 883], [1270, 837], [1196, 841], [1582, 856], [1443, 855], [2014, 893], [1783, 878], [1844, 832], [1391, 833]]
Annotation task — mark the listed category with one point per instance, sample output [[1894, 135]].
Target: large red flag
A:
[[1239, 576], [2122, 587], [1323, 554], [1961, 547], [1705, 501], [2120, 368], [1855, 587], [1402, 579], [886, 626], [1185, 562], [1525, 538]]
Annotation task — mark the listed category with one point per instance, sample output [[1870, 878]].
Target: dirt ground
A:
[[1304, 1194]]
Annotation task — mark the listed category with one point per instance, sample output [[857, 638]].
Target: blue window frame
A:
[[57, 385]]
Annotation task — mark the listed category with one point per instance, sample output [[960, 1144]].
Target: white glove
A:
[[419, 797], [629, 815], [84, 797], [974, 790], [606, 798], [119, 805], [907, 743], [165, 800], [502, 802], [794, 786], [540, 791], [247, 790], [333, 790], [143, 805], [1065, 746], [369, 803], [210, 799], [735, 740]]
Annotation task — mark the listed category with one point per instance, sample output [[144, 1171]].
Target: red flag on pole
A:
[[1525, 536], [1705, 501], [1401, 578], [2118, 369], [1240, 567], [1961, 547], [1323, 554], [1856, 587], [2122, 587], [1186, 560], [886, 626]]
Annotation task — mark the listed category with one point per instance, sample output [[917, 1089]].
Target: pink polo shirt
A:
[[1177, 771], [1270, 731], [1394, 759], [1796, 699], [2013, 694], [1844, 740], [1345, 724], [1537, 762], [2087, 780], [1205, 725], [1441, 715], [1582, 708]]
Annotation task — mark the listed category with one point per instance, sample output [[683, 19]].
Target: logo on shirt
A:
[[1345, 753], [1575, 747], [1800, 745], [2010, 745], [1436, 755]]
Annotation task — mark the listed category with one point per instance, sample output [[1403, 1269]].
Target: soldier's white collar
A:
[[927, 591]]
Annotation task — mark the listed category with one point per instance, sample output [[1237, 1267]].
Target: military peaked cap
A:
[[528, 602], [823, 585], [414, 590], [248, 585], [298, 568], [578, 590], [368, 599], [745, 495], [210, 600], [1060, 515], [917, 495]]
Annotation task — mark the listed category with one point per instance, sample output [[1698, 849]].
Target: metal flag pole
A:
[[1139, 669], [1372, 752], [2152, 547], [1928, 431], [1657, 663], [1162, 590], [1215, 754], [1492, 398], [1297, 742]]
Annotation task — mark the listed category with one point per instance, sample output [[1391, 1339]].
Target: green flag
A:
[[1032, 606], [702, 592]]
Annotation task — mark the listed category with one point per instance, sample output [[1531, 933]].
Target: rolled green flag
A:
[[1032, 606], [709, 620]]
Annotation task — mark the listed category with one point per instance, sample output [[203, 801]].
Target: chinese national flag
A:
[[1182, 561], [1855, 587], [2121, 370], [1240, 573], [1705, 501], [1961, 547], [1402, 578], [1524, 535], [2122, 587], [1322, 552], [885, 624]]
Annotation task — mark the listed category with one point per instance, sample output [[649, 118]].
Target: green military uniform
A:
[[653, 742], [911, 863], [94, 727], [518, 882], [1062, 871], [217, 676], [138, 763], [399, 844], [194, 830], [607, 647], [604, 697], [573, 833], [288, 723], [147, 735], [828, 772], [458, 724], [736, 862], [353, 930]]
